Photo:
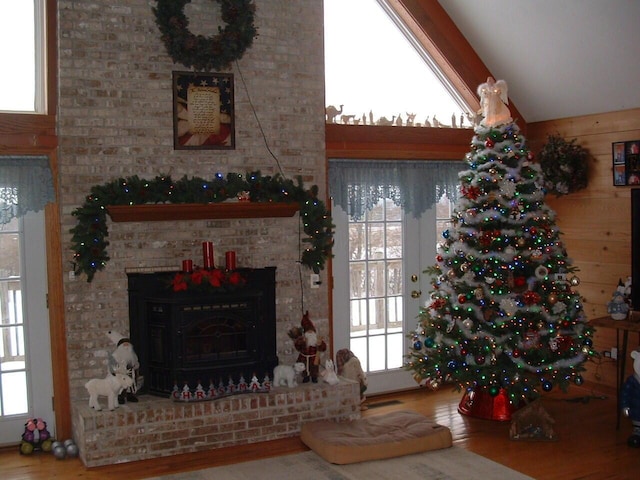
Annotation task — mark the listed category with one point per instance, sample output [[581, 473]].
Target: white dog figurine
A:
[[111, 386], [285, 375]]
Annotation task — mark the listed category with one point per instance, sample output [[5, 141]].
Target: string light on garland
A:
[[89, 235], [206, 53]]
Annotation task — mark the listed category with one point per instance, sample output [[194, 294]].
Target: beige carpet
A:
[[447, 464]]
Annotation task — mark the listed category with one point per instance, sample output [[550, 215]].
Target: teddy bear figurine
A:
[[630, 400], [306, 342]]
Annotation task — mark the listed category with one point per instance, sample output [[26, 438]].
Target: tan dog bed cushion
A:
[[376, 437]]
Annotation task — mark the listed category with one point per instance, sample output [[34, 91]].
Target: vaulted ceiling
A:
[[560, 58]]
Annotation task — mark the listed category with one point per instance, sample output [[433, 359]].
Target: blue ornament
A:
[[452, 365], [417, 345], [445, 234], [547, 385]]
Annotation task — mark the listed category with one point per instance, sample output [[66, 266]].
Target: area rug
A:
[[447, 464]]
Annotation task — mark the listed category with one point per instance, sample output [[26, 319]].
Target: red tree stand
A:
[[481, 404]]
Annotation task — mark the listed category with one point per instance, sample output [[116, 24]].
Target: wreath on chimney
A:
[[89, 240], [206, 53]]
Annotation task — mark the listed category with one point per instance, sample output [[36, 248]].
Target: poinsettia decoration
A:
[[206, 280]]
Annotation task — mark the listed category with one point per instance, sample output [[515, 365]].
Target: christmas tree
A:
[[503, 317]]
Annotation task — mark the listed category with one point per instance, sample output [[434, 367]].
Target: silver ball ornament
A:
[[72, 450], [60, 452]]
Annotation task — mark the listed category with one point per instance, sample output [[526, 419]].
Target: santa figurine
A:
[[309, 346], [124, 360]]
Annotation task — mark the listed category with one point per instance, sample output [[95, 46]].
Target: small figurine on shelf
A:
[[630, 400], [618, 308]]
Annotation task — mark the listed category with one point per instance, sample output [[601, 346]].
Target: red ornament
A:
[[471, 192], [489, 143], [515, 353], [531, 298], [481, 404], [462, 298]]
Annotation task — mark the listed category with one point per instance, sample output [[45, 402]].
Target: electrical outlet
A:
[[315, 280], [614, 353]]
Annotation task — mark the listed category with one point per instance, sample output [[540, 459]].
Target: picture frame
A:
[[626, 163], [203, 111]]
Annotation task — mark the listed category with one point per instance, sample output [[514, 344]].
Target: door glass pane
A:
[[13, 380], [377, 353], [376, 285], [14, 393], [356, 241], [395, 357]]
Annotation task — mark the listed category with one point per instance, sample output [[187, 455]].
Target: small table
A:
[[630, 325]]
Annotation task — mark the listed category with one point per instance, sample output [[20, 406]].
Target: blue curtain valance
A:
[[26, 184], [357, 185]]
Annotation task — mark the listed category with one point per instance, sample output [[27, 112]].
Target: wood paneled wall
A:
[[596, 221]]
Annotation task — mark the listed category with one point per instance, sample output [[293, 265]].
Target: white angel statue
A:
[[493, 103]]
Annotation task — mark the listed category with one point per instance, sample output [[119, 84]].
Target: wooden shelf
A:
[[198, 211]]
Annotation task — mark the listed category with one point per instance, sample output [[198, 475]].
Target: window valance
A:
[[26, 184], [357, 185]]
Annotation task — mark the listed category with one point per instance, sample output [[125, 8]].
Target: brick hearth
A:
[[156, 427]]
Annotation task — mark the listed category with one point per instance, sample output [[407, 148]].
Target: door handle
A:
[[416, 293]]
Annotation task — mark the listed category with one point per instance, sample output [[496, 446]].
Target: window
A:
[[22, 56], [376, 72]]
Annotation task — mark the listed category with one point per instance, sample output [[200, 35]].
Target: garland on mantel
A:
[[89, 235], [206, 53]]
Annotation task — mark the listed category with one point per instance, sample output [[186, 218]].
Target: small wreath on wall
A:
[[89, 235], [206, 53], [564, 164]]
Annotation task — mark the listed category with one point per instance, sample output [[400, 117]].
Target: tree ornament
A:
[[217, 52]]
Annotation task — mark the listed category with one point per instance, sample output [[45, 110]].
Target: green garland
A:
[[206, 53], [89, 235], [564, 165]]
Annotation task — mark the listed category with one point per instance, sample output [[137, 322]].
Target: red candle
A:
[[207, 255], [230, 260], [187, 266]]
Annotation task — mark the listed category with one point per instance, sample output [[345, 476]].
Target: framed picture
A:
[[203, 117], [626, 163]]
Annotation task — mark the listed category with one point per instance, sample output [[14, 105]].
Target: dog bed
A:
[[376, 437]]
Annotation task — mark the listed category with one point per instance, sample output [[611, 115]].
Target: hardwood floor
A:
[[588, 445]]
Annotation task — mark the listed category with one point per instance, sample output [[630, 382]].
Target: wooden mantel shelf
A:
[[198, 211]]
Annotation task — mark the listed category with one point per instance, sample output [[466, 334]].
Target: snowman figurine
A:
[[630, 400], [618, 308]]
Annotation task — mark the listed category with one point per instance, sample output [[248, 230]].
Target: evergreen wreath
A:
[[565, 165], [206, 53], [89, 235]]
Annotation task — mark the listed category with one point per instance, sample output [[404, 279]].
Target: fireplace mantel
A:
[[198, 211]]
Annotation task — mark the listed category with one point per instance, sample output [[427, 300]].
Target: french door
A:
[[379, 286], [26, 386]]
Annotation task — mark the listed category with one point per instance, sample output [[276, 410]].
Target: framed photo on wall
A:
[[203, 116], [626, 163]]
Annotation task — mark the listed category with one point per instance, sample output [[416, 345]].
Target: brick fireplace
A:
[[190, 339]]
